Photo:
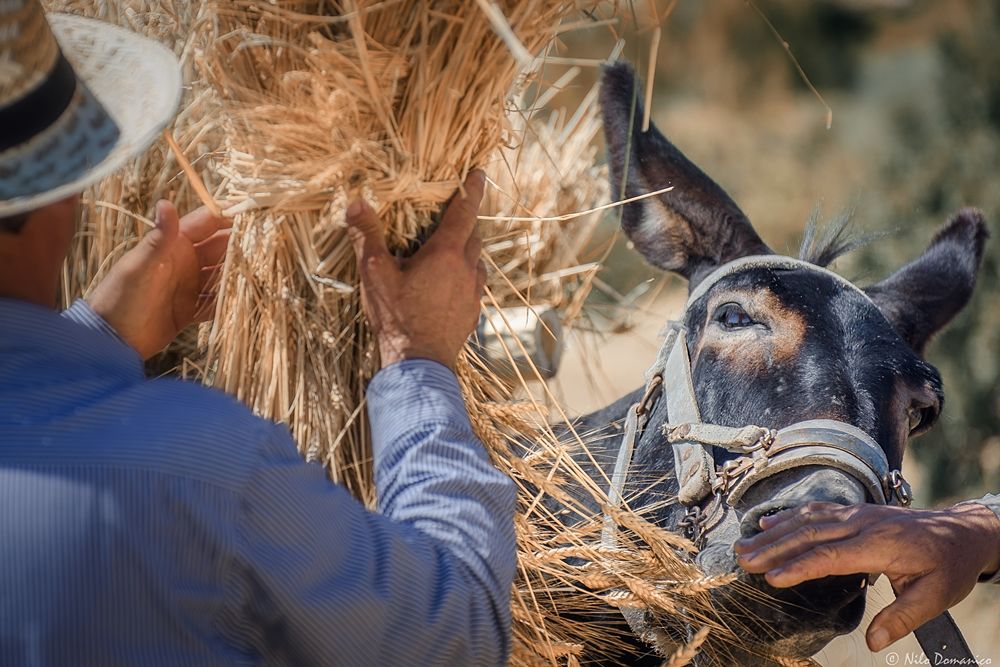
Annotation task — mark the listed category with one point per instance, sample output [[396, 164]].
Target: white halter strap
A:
[[767, 262]]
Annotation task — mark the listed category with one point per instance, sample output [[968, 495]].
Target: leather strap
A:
[[609, 533], [942, 637], [822, 442], [780, 262], [693, 465]]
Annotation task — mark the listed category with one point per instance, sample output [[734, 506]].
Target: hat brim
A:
[[135, 80]]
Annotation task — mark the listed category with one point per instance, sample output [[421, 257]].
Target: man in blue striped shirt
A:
[[160, 522]]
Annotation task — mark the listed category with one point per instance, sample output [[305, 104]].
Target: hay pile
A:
[[295, 106]]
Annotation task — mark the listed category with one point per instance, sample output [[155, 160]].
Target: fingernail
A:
[[766, 521], [746, 558], [158, 212], [879, 639], [477, 177], [354, 210], [775, 572]]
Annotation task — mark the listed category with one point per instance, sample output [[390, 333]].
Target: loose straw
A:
[[499, 24], [653, 51], [577, 214], [124, 211], [193, 178], [795, 62]]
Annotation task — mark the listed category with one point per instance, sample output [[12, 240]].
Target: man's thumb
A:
[[916, 605], [366, 232], [168, 223]]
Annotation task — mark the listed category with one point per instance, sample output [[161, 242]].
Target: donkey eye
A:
[[915, 417], [732, 316]]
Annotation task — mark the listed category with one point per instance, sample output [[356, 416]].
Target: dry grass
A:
[[294, 107]]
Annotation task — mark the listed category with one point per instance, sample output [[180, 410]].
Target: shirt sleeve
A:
[[992, 501], [424, 582], [81, 313]]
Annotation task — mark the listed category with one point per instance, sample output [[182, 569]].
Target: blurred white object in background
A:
[[520, 333]]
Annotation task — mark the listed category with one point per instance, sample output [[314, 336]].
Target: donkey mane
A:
[[822, 243]]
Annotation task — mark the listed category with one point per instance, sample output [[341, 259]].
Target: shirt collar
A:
[[40, 332]]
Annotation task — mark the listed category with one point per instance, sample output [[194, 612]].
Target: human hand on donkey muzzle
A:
[[933, 558]]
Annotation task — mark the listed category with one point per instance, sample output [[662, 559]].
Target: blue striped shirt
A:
[[158, 522]]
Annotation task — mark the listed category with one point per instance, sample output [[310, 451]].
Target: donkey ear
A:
[[691, 229], [923, 296]]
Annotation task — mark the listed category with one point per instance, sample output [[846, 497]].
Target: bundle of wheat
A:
[[295, 106]]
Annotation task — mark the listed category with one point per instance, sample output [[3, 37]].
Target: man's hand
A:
[[932, 557], [166, 282], [425, 306]]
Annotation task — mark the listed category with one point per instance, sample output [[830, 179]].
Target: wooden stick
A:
[[193, 178]]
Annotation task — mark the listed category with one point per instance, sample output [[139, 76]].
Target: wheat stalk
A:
[[685, 654]]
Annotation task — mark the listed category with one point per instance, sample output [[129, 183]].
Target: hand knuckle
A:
[[809, 533], [815, 506], [467, 211], [848, 512], [827, 552], [904, 620], [449, 253], [372, 263]]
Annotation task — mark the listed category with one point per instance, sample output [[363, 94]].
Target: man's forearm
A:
[[432, 473]]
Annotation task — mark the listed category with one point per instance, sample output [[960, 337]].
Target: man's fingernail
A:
[[354, 210], [747, 557], [477, 177], [880, 639], [775, 572]]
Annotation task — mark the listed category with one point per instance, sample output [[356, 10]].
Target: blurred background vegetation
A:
[[914, 86]]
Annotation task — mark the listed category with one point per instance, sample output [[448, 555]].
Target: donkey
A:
[[774, 346]]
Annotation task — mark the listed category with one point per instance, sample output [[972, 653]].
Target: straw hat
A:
[[71, 116]]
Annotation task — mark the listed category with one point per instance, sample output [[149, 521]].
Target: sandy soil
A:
[[598, 369]]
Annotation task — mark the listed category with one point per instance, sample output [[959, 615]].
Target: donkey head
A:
[[773, 347]]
